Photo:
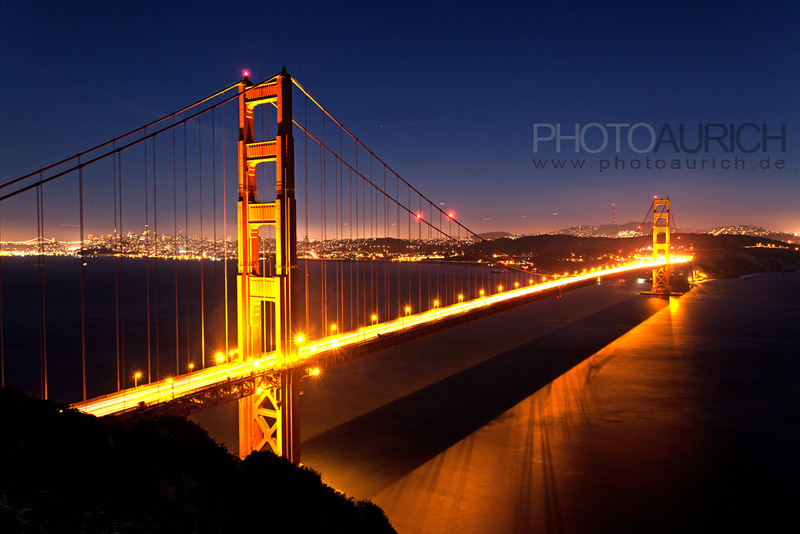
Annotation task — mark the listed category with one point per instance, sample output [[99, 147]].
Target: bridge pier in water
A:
[[270, 416]]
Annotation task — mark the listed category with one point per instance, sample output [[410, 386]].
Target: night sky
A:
[[447, 93]]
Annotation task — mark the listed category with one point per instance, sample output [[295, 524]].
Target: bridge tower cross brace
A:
[[270, 416], [661, 224]]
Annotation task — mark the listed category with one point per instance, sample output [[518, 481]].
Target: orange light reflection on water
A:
[[608, 430]]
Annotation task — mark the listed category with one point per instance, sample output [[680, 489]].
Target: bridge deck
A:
[[235, 379]]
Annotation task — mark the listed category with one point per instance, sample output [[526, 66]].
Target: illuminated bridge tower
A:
[[268, 417], [661, 224]]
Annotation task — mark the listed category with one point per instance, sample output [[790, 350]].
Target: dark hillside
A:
[[64, 471]]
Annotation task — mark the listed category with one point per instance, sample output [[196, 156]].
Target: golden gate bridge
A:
[[177, 340]]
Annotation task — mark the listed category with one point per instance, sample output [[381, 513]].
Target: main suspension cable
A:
[[117, 139]]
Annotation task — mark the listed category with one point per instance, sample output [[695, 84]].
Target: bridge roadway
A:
[[228, 381]]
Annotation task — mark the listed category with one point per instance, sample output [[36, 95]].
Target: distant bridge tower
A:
[[661, 224], [270, 415]]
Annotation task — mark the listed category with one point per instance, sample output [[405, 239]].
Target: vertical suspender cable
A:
[[419, 238], [202, 243], [441, 292], [225, 231], [175, 249], [342, 263], [121, 282], [305, 211], [116, 262], [215, 291], [428, 263], [147, 258], [339, 261], [387, 237], [338, 236], [352, 263], [186, 246], [83, 280], [42, 311], [322, 198], [409, 240], [155, 261], [373, 308], [397, 225], [357, 267]]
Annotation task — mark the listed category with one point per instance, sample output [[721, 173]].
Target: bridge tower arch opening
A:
[[270, 416]]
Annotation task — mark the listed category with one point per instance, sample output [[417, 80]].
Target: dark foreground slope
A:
[[64, 471]]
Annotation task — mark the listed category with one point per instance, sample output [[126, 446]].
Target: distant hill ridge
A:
[[493, 235], [632, 229]]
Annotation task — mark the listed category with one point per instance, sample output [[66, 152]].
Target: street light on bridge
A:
[[137, 375]]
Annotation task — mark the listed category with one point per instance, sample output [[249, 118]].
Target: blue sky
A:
[[447, 93]]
